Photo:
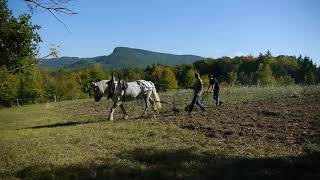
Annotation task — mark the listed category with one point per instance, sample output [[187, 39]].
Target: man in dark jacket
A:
[[197, 89], [214, 83]]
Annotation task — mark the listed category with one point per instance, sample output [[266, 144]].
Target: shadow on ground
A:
[[70, 123], [185, 164]]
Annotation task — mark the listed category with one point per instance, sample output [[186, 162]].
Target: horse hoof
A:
[[126, 117]]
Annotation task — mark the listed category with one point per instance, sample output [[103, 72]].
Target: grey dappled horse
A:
[[120, 92]]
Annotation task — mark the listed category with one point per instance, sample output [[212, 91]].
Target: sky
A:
[[208, 28]]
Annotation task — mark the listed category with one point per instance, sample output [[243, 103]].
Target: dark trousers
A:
[[196, 100]]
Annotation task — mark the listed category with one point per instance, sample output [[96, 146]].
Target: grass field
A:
[[260, 133]]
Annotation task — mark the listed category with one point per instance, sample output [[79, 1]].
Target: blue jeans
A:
[[196, 100], [217, 99]]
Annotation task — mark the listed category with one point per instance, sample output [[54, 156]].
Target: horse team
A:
[[121, 91]]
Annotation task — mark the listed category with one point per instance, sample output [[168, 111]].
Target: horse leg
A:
[[124, 112], [146, 100], [153, 105], [115, 105]]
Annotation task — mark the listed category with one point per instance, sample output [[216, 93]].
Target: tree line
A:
[[22, 78], [66, 84]]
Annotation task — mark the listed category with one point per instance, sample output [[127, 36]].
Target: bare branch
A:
[[32, 64], [54, 8], [65, 26]]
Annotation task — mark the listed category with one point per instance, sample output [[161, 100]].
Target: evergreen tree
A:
[[265, 76], [268, 54], [310, 78]]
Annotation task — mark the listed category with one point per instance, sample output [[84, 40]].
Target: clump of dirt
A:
[[293, 121]]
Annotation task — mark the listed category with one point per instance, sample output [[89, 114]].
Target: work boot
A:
[[220, 103]]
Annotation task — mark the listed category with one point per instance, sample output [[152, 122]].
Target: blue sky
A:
[[208, 28]]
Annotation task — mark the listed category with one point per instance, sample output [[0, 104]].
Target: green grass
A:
[[72, 140], [87, 145], [29, 115], [254, 93]]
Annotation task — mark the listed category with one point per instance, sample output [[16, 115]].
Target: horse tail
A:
[[157, 102]]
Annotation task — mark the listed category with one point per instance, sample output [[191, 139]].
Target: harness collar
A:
[[111, 90]]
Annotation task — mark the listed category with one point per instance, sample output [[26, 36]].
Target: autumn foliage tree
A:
[[165, 77]]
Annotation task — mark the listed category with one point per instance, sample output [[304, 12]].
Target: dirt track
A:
[[293, 121]]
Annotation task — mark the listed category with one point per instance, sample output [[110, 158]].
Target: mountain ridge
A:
[[121, 57]]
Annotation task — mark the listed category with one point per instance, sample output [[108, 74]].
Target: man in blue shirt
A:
[[214, 83]]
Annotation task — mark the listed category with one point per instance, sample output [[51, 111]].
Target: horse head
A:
[[100, 88]]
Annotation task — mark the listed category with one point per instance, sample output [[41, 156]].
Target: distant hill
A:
[[56, 63], [121, 57]]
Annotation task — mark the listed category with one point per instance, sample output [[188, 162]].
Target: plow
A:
[[176, 103]]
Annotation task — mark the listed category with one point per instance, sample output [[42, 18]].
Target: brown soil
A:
[[293, 121]]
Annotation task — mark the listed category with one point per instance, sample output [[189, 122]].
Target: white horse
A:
[[120, 92]]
